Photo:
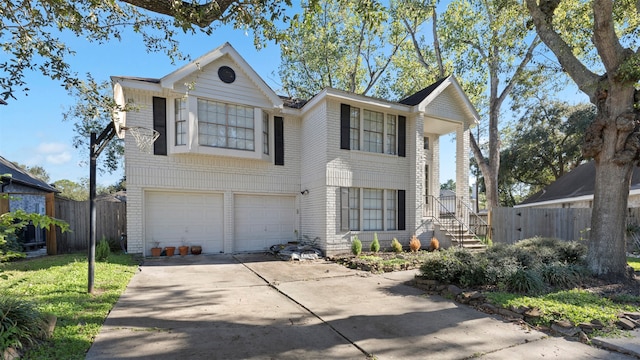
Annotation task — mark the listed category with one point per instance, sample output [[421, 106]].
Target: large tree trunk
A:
[[608, 220], [612, 140]]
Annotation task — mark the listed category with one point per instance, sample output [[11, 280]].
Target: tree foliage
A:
[[30, 30], [544, 144], [343, 44], [91, 113]]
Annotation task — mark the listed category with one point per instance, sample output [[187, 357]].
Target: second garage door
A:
[[262, 221]]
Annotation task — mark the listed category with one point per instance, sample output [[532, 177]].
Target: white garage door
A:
[[262, 221], [196, 218]]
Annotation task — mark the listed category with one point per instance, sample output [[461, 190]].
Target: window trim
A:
[[353, 136], [348, 205]]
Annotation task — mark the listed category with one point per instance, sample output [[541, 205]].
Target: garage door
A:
[[262, 221], [195, 217]]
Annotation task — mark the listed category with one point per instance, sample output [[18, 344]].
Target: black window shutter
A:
[[345, 126], [401, 210], [344, 209], [160, 125], [402, 136], [278, 141]]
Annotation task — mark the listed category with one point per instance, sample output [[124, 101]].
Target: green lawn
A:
[[58, 285], [634, 263]]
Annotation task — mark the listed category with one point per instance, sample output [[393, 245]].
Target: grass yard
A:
[[634, 263], [58, 285]]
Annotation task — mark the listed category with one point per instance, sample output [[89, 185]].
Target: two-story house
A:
[[238, 168]]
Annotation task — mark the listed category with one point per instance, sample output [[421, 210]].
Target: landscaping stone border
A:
[[625, 321]]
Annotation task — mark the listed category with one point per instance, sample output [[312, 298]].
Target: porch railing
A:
[[451, 212]]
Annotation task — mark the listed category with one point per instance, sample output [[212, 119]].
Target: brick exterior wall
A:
[[314, 171]]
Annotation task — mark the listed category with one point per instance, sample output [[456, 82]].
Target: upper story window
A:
[[225, 125], [371, 131], [181, 114], [354, 133], [265, 133]]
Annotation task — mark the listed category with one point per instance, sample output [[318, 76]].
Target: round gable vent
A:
[[226, 74]]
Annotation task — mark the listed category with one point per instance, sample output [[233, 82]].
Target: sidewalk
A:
[[254, 307]]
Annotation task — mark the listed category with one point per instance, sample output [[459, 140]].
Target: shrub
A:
[[434, 244], [103, 250], [20, 323], [396, 246], [414, 244], [526, 281], [572, 252], [375, 245], [356, 246], [561, 275]]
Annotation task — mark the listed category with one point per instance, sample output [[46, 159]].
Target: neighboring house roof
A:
[[578, 184], [22, 177]]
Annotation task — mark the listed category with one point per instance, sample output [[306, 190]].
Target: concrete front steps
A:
[[460, 237]]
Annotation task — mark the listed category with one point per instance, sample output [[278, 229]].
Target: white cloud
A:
[[54, 153]]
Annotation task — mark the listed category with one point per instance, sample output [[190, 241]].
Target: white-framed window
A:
[[354, 133], [265, 133], [354, 208], [371, 209], [392, 209], [181, 115], [373, 131], [225, 125], [391, 131]]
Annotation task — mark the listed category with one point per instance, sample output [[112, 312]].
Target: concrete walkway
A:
[[254, 307]]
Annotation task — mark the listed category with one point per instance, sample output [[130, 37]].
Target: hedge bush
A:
[[531, 266]]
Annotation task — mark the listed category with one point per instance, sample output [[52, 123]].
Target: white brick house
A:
[[238, 168]]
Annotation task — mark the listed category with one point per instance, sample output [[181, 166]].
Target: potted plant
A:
[[156, 250], [170, 250], [183, 249], [196, 249]]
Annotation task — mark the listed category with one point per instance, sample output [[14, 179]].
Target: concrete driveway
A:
[[255, 307]]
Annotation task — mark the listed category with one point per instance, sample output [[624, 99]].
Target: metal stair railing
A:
[[438, 211], [459, 212]]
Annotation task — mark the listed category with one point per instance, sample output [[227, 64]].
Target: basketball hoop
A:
[[144, 137]]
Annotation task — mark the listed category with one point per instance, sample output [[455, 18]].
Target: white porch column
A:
[[462, 165], [416, 205]]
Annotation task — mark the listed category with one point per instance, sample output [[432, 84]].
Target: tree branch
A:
[[604, 36], [527, 58], [201, 15], [583, 77]]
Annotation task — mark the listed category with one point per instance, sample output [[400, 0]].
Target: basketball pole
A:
[[96, 145]]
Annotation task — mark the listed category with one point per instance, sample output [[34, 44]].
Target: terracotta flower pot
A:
[[184, 250], [170, 250], [156, 251], [196, 249]]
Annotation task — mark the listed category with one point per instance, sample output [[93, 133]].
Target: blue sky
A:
[[32, 130]]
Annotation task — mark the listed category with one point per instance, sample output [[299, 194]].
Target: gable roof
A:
[[418, 97], [22, 177], [424, 97], [225, 49], [579, 182]]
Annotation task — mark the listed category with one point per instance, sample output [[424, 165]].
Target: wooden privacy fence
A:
[[508, 225], [111, 222]]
